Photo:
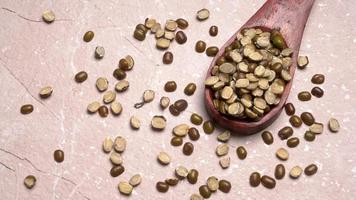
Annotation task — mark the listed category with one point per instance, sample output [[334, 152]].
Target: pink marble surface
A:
[[34, 54]]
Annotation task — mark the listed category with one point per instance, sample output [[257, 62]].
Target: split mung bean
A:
[[203, 14], [99, 52], [125, 188], [282, 154], [212, 183], [93, 107], [164, 102], [46, 92], [334, 125], [116, 108], [102, 84], [135, 180], [164, 158], [108, 144], [303, 61], [48, 16], [224, 136], [30, 181], [295, 172], [224, 162], [249, 78], [181, 172]]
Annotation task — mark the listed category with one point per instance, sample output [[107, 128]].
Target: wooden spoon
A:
[[290, 17]]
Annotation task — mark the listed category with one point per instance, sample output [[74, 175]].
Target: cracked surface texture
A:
[[34, 54]]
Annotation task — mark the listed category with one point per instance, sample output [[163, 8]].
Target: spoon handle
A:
[[290, 16]]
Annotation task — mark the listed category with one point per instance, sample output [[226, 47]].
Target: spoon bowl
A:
[[287, 16]]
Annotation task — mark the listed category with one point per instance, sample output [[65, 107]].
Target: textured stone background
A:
[[34, 54]]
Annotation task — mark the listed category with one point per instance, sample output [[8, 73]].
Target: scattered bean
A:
[[99, 52], [108, 144], [81, 76], [224, 136], [48, 16], [279, 171], [255, 179], [290, 110], [203, 14], [125, 188], [318, 79], [176, 141], [208, 127], [164, 102], [26, 109], [224, 162], [170, 86], [46, 92], [241, 152], [116, 108], [334, 125], [204, 191], [224, 186], [190, 89], [307, 118], [213, 31], [316, 128], [295, 121], [192, 176], [222, 149], [212, 183], [268, 182], [310, 170], [292, 142], [282, 154], [163, 158], [162, 187], [135, 122], [167, 57], [172, 181], [267, 137], [119, 74], [304, 96], [188, 148], [212, 51], [200, 46], [117, 170], [135, 180], [103, 111], [181, 38], [303, 61], [182, 23], [58, 155], [295, 172], [285, 132], [88, 36], [181, 172], [196, 119], [317, 92], [102, 84], [30, 181], [309, 136], [158, 122]]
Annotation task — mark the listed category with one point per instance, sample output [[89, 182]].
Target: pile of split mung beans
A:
[[247, 82]]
